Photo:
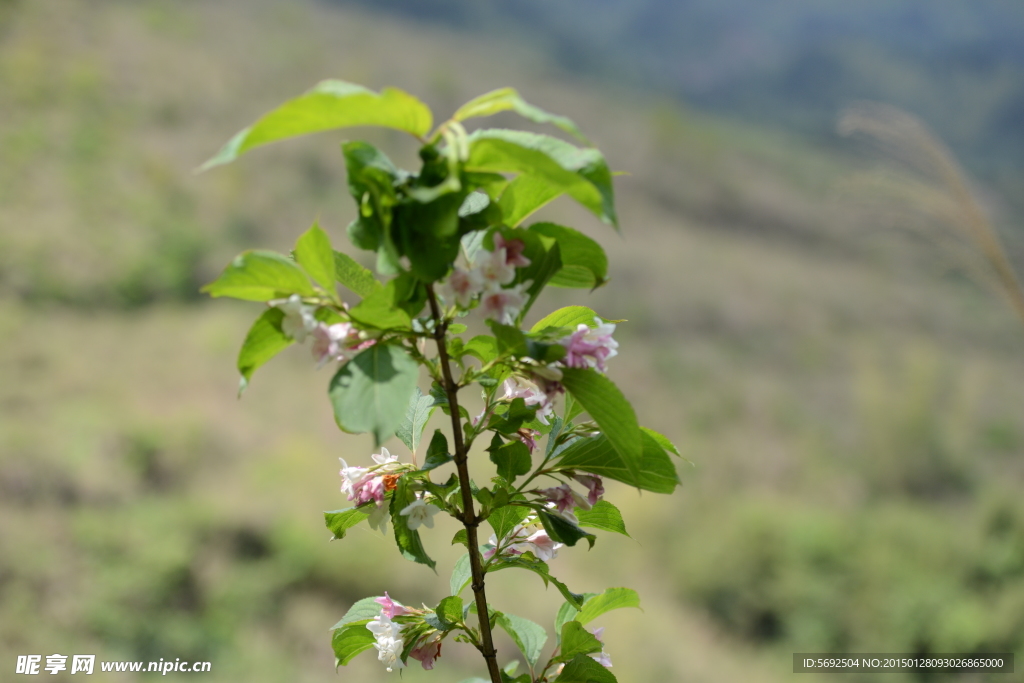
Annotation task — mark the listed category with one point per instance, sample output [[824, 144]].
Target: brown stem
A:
[[469, 518]]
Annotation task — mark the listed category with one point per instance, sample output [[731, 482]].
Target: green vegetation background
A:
[[851, 404]]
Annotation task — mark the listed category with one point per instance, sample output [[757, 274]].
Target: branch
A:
[[469, 517]]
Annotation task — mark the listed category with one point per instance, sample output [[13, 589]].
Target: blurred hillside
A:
[[849, 397], [789, 62]]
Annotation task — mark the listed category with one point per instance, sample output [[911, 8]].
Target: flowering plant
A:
[[450, 244]]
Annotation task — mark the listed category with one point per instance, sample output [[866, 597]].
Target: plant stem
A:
[[469, 518]]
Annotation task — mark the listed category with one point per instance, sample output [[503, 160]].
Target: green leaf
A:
[[437, 451], [370, 393], [569, 316], [655, 471], [330, 104], [352, 275], [417, 414], [604, 516], [528, 636], [540, 569], [508, 418], [507, 99], [261, 276], [577, 640], [662, 441], [580, 172], [371, 182], [611, 599], [572, 408], [483, 347], [264, 341], [511, 340], [351, 639], [408, 540], [427, 234], [512, 460], [525, 195], [612, 412], [449, 611], [567, 613], [504, 519], [584, 263], [461, 537], [542, 268], [462, 573], [562, 530], [583, 669], [382, 310], [362, 611], [510, 670], [314, 253], [339, 521]]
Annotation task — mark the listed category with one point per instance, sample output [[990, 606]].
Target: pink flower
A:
[[513, 250], [565, 499], [464, 285], [602, 657], [371, 488], [330, 341], [594, 484], [503, 304], [528, 437], [532, 395], [561, 496], [391, 608], [427, 650], [590, 347]]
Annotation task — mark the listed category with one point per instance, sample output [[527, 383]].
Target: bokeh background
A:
[[848, 390]]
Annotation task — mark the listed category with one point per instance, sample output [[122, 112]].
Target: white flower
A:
[[381, 626], [350, 478], [503, 304], [298, 317], [532, 395], [384, 457], [389, 641], [541, 545], [463, 285], [420, 512], [493, 268]]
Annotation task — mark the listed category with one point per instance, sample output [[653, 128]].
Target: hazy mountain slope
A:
[[961, 65], [853, 415]]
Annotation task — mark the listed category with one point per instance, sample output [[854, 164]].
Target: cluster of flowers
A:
[[490, 277], [530, 536], [587, 347], [388, 635], [365, 484], [330, 342]]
